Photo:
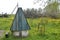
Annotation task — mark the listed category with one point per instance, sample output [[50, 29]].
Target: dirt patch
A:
[[1, 32]]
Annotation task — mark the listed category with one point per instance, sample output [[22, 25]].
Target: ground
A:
[[50, 29], [1, 33]]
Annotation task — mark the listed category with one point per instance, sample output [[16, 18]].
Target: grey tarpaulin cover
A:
[[19, 22]]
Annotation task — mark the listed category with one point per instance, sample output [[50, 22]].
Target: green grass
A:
[[52, 29]]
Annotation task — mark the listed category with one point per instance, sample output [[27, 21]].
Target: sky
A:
[[7, 6]]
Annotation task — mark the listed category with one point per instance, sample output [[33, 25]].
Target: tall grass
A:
[[52, 28]]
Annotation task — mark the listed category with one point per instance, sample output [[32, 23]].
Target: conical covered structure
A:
[[19, 23]]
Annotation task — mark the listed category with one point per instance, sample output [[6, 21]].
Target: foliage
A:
[[32, 13], [52, 10]]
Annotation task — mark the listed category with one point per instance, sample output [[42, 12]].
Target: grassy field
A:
[[51, 31]]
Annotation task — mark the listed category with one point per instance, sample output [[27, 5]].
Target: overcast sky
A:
[[8, 5]]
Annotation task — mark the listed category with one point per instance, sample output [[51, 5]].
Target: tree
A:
[[51, 10]]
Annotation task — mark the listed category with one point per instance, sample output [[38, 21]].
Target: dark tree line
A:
[[32, 13], [4, 15], [50, 10]]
